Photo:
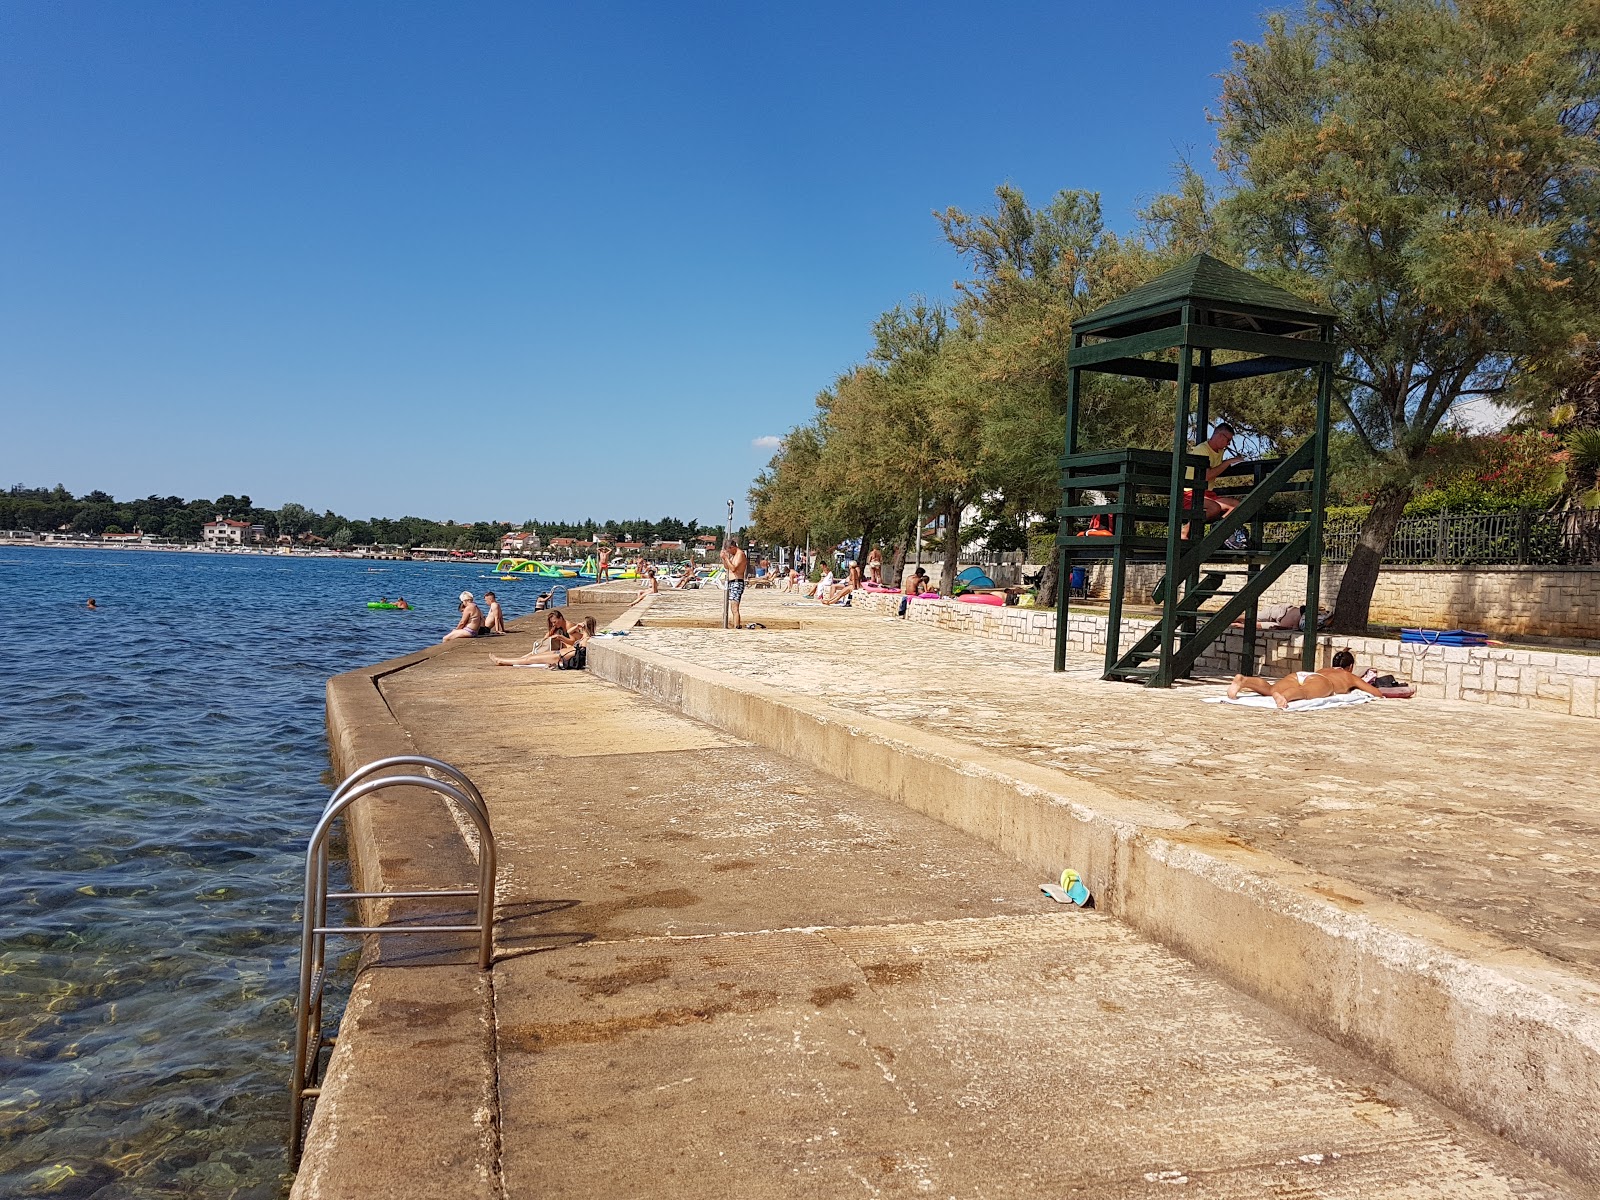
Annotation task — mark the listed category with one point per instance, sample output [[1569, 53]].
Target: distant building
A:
[[225, 532], [665, 545], [520, 543]]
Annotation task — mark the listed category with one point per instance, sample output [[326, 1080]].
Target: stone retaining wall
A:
[[1547, 680], [1543, 601]]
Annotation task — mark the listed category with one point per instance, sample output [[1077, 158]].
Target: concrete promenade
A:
[[1151, 795], [722, 971], [1488, 818]]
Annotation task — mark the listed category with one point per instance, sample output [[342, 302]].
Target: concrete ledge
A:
[[419, 1023], [1498, 1033]]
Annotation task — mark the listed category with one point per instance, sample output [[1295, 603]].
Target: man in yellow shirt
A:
[[1215, 451]]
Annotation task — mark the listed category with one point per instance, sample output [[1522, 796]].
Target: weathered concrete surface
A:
[[1491, 821], [723, 973], [1011, 1056], [409, 1099], [382, 1128], [1497, 1030]]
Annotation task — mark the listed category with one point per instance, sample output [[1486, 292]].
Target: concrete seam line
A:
[[1494, 1041]]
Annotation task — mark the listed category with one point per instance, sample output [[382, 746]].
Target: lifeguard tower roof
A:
[[1219, 294]]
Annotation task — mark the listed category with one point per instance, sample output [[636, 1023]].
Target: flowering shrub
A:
[[1490, 473]]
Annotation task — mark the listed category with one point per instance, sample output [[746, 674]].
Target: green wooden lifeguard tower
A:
[[1224, 325]]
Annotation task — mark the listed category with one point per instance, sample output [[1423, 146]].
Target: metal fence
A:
[[1526, 536]]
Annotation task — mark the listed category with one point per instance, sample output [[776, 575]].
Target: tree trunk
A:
[[1361, 572], [952, 545], [1045, 597], [897, 565]]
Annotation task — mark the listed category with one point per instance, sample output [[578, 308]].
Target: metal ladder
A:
[[309, 1042]]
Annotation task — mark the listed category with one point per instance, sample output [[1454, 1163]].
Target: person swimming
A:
[[92, 606]]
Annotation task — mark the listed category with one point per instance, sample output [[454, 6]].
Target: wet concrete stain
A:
[[832, 993], [885, 973], [540, 1036], [612, 983]]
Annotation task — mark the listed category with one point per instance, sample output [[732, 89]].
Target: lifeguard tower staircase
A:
[[1199, 325]]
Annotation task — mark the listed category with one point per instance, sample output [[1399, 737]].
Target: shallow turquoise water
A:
[[162, 762]]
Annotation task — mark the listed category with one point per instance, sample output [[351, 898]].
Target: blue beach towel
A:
[[1444, 637]]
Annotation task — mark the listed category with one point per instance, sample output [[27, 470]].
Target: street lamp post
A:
[[726, 541]]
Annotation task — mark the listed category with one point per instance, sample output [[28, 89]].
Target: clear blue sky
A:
[[387, 257]]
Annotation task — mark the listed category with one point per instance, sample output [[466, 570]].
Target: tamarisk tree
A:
[[1429, 169]]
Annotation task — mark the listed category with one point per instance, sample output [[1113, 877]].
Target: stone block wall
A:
[[1542, 601], [1547, 680]]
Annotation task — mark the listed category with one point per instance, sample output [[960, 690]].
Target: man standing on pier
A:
[[737, 563]]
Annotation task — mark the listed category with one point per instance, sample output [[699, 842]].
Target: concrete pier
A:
[[755, 942]]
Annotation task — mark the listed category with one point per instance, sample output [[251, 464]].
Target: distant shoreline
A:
[[252, 551]]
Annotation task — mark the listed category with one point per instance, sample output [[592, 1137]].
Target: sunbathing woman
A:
[[844, 587], [556, 637], [1306, 685], [566, 652]]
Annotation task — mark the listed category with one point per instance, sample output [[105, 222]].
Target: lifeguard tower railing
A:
[[1218, 583]]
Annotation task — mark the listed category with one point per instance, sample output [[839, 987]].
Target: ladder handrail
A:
[[365, 781], [455, 774]]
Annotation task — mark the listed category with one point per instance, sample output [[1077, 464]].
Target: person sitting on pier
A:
[[842, 591], [471, 623], [495, 622], [915, 584], [1307, 685], [568, 651]]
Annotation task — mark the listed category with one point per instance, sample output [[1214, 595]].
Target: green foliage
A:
[[1429, 170], [171, 517], [1483, 473], [1582, 448], [1489, 473]]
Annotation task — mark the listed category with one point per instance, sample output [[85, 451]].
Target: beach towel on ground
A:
[[1254, 700]]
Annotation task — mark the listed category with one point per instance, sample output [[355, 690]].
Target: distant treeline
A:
[[172, 517]]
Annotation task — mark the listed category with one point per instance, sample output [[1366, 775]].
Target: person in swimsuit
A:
[[737, 564], [401, 603], [1306, 685], [568, 651], [495, 622], [875, 565], [471, 623], [845, 587], [92, 606], [603, 570]]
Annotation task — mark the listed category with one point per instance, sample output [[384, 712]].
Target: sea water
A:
[[162, 762]]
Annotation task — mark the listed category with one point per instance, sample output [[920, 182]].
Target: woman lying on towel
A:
[[1306, 685]]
